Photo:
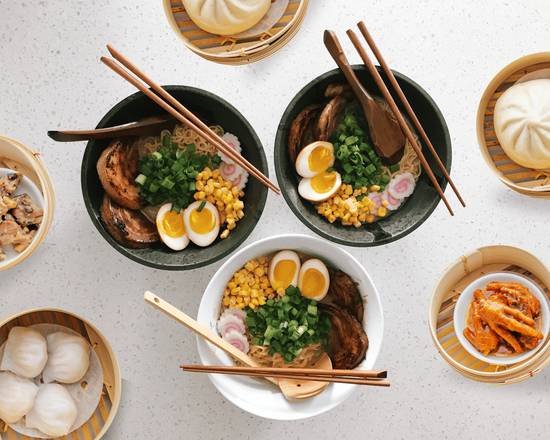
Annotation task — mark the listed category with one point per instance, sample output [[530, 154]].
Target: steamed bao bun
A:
[[522, 123], [226, 17]]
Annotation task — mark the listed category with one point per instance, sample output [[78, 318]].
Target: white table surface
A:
[[50, 77]]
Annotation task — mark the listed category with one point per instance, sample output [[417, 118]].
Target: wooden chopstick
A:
[[181, 113], [397, 88], [251, 372], [376, 374], [402, 123]]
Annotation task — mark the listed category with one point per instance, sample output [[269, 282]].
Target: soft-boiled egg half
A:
[[315, 158], [284, 269], [171, 228], [320, 187], [314, 279], [202, 222]]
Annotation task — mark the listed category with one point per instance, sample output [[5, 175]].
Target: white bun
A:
[[522, 123], [226, 17]]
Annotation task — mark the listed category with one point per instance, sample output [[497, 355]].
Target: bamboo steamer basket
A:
[[96, 427], [460, 274], [520, 179], [31, 165], [227, 50], [274, 47]]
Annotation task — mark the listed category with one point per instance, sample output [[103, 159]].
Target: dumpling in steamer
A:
[[68, 358], [25, 353], [16, 397], [522, 123], [226, 17], [54, 411]]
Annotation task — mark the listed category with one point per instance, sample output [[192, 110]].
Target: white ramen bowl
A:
[[260, 397], [463, 304]]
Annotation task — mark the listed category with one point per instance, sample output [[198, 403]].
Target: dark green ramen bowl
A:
[[213, 110], [416, 209]]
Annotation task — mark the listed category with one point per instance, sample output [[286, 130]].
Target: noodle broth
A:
[[254, 287]]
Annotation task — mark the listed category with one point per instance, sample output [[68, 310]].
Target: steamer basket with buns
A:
[[29, 163], [465, 270], [240, 49], [531, 182], [96, 426]]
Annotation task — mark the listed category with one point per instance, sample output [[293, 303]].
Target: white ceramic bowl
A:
[[260, 397], [463, 303], [37, 182]]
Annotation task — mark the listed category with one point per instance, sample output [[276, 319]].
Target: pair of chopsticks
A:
[[357, 377], [393, 106], [165, 100]]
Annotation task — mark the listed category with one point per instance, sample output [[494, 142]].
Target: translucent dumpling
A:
[[226, 17], [54, 411], [68, 358], [25, 353], [16, 397]]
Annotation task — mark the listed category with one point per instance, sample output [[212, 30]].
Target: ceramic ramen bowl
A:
[[260, 397], [213, 110], [418, 206]]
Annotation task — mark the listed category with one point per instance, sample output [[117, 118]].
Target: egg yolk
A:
[[172, 224], [202, 221], [319, 159], [313, 283], [283, 273], [323, 182]]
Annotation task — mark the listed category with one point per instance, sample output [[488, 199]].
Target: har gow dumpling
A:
[[226, 17], [54, 411], [68, 358], [25, 353], [522, 123], [16, 396]]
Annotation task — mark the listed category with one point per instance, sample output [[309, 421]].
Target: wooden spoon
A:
[[137, 128], [291, 389], [384, 130]]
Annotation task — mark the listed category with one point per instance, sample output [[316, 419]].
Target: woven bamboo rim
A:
[[261, 55], [96, 427], [221, 49], [35, 170], [520, 179], [461, 273]]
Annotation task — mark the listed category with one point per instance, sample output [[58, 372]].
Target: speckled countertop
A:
[[50, 77]]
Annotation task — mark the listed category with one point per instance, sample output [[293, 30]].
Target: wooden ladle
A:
[[385, 132], [291, 389]]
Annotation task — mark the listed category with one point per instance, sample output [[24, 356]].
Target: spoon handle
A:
[[129, 129], [199, 329], [335, 49]]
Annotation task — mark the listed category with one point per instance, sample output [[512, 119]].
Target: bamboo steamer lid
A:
[[96, 427], [518, 178], [465, 270], [32, 166], [226, 50]]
